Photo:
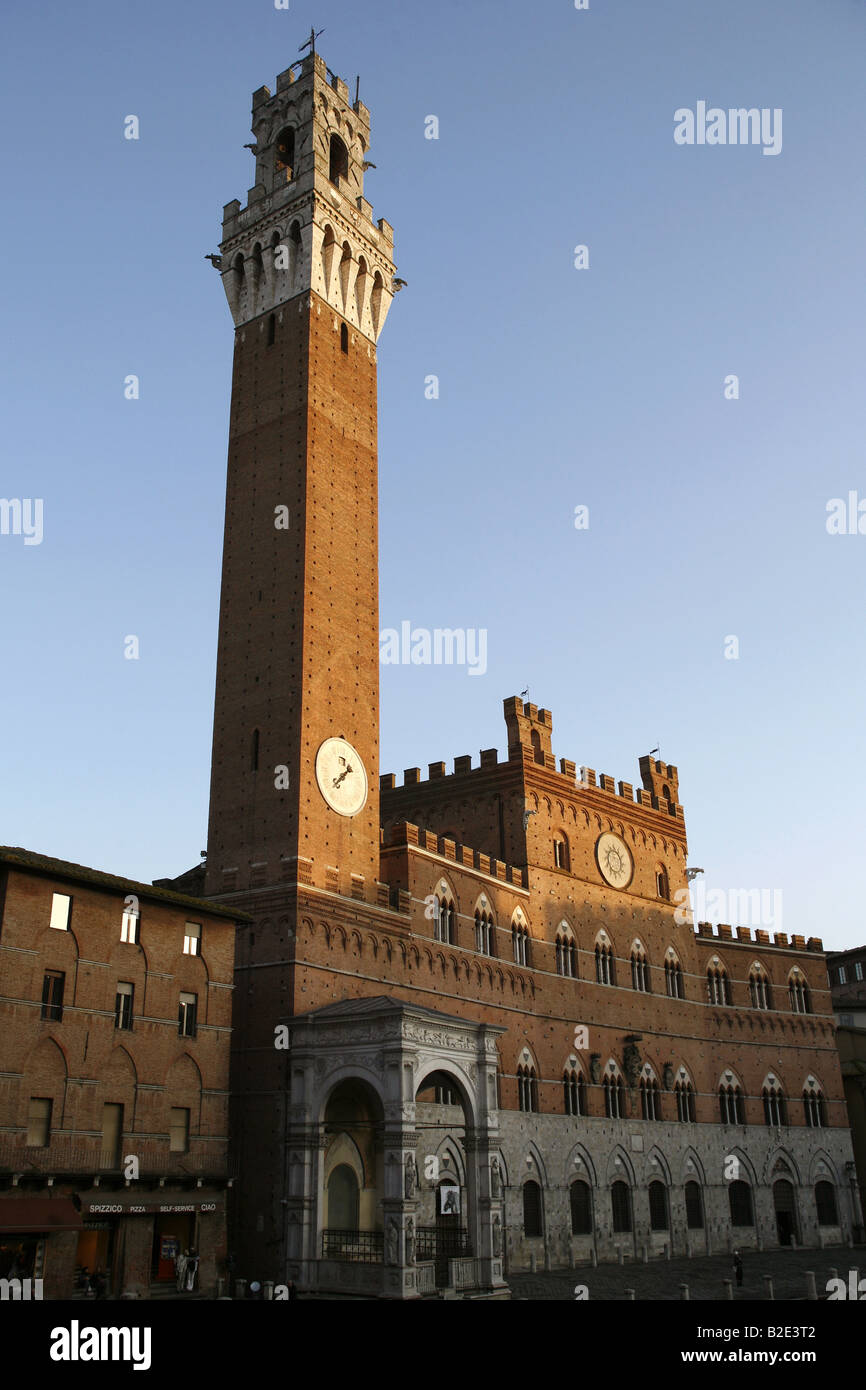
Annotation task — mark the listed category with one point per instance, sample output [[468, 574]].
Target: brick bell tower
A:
[[309, 280]]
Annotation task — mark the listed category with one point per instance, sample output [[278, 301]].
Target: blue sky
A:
[[559, 387]]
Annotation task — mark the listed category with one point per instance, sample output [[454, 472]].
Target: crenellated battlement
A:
[[579, 778], [412, 835], [704, 931], [306, 224]]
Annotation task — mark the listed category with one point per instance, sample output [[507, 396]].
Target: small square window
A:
[[129, 927], [60, 908], [52, 995], [179, 1135], [38, 1122], [123, 1006], [187, 1015], [192, 939]]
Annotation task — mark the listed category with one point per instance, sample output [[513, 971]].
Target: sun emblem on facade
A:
[[614, 860]]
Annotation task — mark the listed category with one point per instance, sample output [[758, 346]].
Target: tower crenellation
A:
[[307, 224]]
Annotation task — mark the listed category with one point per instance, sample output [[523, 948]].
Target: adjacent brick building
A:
[[115, 1017], [474, 1029], [847, 973]]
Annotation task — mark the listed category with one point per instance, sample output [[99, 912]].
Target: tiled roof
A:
[[19, 858]]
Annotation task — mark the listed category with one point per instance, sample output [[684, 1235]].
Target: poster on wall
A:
[[449, 1199]]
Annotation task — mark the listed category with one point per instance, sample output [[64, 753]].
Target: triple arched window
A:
[[685, 1101], [446, 918], [574, 1092], [640, 975], [650, 1101], [775, 1108], [759, 988], [605, 967], [814, 1105], [732, 1109], [673, 977], [566, 953], [718, 984], [527, 1089], [484, 929], [798, 993], [520, 942], [614, 1097]]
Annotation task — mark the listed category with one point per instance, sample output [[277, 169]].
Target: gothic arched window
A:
[[798, 993], [620, 1201], [445, 919], [532, 1217], [649, 1098], [605, 969], [338, 167], [284, 151], [674, 978], [814, 1105], [527, 1089], [580, 1200], [718, 985], [759, 988], [520, 943], [574, 1091], [658, 1203], [685, 1102], [740, 1202], [640, 976], [775, 1110], [566, 953], [614, 1097], [484, 927], [825, 1201], [731, 1107]]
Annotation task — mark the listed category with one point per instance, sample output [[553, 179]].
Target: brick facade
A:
[[454, 970], [73, 1049]]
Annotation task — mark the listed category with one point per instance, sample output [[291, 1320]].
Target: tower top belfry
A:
[[306, 224]]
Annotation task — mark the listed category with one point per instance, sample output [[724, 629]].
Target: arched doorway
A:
[[443, 1218], [342, 1199], [352, 1177], [785, 1206]]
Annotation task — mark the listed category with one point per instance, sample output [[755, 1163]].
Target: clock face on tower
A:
[[614, 860], [341, 776]]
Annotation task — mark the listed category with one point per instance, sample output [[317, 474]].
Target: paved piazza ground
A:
[[661, 1279]]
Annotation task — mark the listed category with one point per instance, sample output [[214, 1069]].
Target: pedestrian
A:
[[738, 1268], [293, 1292], [180, 1262]]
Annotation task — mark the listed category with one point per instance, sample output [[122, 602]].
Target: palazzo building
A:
[[115, 1016], [473, 1031]]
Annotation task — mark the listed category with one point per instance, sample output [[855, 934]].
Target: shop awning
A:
[[38, 1215]]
